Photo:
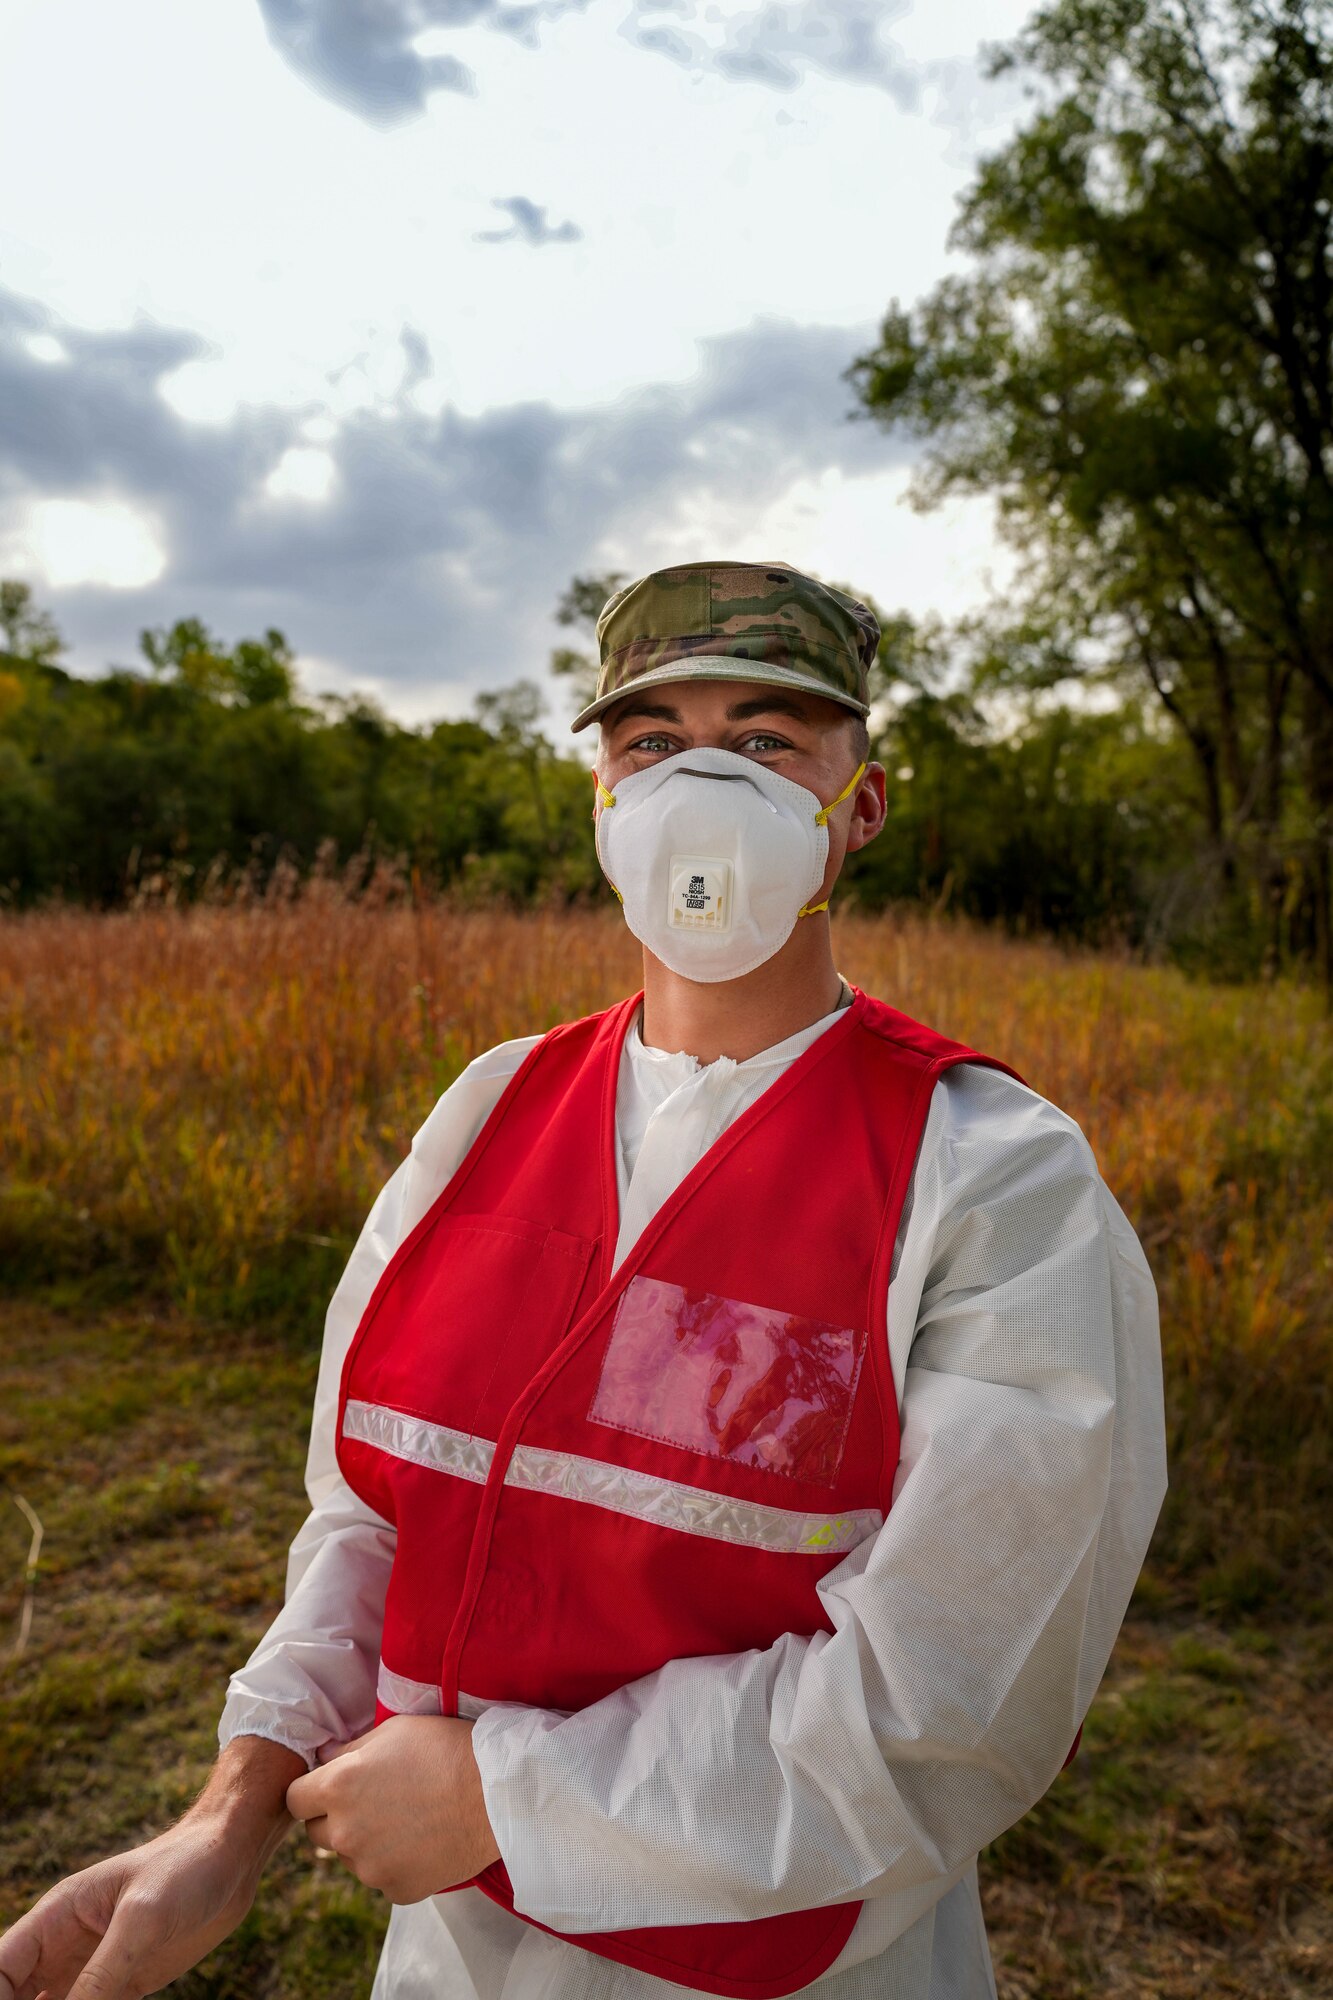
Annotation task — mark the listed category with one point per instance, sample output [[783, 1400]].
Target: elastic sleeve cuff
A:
[[244, 1718]]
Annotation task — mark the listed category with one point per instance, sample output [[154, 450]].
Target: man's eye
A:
[[762, 743], [652, 744]]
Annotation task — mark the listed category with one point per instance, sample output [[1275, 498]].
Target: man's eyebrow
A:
[[773, 704], [740, 711], [655, 711]]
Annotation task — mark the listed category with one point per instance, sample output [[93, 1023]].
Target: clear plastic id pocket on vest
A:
[[741, 1382]]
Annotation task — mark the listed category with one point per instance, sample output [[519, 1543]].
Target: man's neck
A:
[[740, 1017]]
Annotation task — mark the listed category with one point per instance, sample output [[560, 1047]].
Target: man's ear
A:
[[867, 826]]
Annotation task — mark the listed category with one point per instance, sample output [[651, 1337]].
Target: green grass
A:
[[1186, 1852], [1189, 1849], [165, 1463]]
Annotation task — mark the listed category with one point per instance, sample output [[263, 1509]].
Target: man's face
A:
[[807, 738]]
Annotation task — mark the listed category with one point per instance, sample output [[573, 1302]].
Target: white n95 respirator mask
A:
[[714, 859]]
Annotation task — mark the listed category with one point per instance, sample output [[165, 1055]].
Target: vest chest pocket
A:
[[474, 1313], [736, 1381]]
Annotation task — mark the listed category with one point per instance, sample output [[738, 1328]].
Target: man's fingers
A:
[[331, 1751], [15, 1983], [306, 1795], [110, 1973], [20, 1948], [44, 1948]]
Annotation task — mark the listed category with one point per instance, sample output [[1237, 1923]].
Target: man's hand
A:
[[402, 1806], [129, 1926]]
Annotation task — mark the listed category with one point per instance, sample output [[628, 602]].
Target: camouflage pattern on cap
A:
[[762, 622]]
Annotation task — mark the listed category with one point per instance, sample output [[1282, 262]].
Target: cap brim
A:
[[717, 667]]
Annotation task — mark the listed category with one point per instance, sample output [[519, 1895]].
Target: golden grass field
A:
[[196, 1109]]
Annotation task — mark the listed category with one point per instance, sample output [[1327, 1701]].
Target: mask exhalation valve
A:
[[699, 894]]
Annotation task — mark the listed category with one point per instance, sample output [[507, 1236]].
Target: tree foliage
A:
[[24, 629], [210, 764], [579, 606], [210, 767], [1052, 818], [250, 673], [1138, 366]]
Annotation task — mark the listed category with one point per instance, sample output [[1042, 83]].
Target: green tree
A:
[[1039, 817], [263, 670], [188, 654], [252, 673], [541, 819], [213, 762], [1139, 367], [580, 606], [27, 633]]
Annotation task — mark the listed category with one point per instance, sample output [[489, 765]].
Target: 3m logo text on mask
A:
[[699, 898]]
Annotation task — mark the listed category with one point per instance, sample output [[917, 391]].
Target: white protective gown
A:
[[970, 1632]]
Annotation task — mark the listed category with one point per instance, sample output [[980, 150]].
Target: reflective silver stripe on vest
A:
[[422, 1443], [691, 1510], [407, 1697]]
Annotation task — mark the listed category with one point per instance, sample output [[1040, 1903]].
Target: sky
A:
[[378, 320]]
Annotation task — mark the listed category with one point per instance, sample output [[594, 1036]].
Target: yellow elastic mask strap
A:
[[821, 817], [605, 799]]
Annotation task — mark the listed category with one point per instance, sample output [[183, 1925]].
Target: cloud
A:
[[528, 224], [430, 564], [779, 44], [70, 427], [362, 53], [380, 58]]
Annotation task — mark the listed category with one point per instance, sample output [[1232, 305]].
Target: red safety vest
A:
[[593, 1472]]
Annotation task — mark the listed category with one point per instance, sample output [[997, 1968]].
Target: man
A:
[[738, 1432]]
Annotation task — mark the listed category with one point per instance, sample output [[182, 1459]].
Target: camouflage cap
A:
[[762, 622]]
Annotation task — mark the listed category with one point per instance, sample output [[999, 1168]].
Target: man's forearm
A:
[[246, 1793], [132, 1923]]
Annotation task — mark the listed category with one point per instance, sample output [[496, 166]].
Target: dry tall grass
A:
[[196, 1108], [205, 1101]]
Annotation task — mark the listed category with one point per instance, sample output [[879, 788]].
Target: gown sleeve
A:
[[311, 1679]]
